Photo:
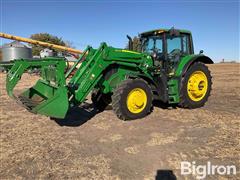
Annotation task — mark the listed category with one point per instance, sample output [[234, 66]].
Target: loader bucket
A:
[[49, 96], [45, 99]]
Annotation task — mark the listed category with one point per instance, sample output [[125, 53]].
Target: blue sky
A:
[[214, 24]]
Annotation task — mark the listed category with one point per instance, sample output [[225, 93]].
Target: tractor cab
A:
[[166, 46]]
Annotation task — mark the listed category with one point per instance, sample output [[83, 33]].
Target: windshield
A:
[[152, 44]]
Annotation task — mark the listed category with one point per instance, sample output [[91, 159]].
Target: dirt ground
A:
[[91, 145]]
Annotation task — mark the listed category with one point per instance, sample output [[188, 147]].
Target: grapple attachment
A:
[[49, 95]]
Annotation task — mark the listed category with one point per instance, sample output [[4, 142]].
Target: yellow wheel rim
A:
[[197, 86], [136, 100]]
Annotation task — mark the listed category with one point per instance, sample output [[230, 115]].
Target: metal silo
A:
[[15, 50]]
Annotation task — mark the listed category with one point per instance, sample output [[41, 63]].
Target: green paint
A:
[[173, 91], [49, 95], [103, 68]]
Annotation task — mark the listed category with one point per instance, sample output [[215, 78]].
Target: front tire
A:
[[132, 99], [196, 86]]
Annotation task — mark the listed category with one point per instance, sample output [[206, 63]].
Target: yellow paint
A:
[[136, 100], [197, 86], [41, 43], [124, 50]]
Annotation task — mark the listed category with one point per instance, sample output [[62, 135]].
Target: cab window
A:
[[153, 44], [173, 44], [179, 44]]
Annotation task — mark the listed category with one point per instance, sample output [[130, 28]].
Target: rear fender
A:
[[187, 61]]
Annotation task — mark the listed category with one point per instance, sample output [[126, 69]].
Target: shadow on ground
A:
[[77, 116], [160, 104], [165, 175]]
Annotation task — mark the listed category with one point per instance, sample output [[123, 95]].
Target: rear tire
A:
[[196, 86], [132, 99]]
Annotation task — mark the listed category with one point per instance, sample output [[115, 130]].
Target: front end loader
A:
[[166, 70]]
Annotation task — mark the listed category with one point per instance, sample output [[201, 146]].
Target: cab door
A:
[[177, 46]]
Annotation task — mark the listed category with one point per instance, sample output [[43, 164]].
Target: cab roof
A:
[[162, 30]]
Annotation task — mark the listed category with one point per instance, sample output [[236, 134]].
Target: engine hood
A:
[[115, 54]]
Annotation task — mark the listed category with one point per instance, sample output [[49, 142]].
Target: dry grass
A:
[[104, 147]]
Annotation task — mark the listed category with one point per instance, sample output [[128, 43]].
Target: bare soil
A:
[[91, 145]]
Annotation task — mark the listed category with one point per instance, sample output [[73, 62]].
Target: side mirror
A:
[[201, 51], [130, 43]]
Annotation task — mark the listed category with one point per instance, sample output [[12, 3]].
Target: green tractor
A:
[[166, 70]]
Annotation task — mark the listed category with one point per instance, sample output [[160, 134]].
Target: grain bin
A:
[[15, 50]]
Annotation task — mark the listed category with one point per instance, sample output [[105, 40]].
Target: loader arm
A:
[[94, 66], [88, 74]]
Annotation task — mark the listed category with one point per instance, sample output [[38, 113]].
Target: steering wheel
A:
[[174, 55], [175, 52], [156, 53]]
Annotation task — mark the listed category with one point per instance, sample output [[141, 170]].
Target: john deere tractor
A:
[[166, 70]]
